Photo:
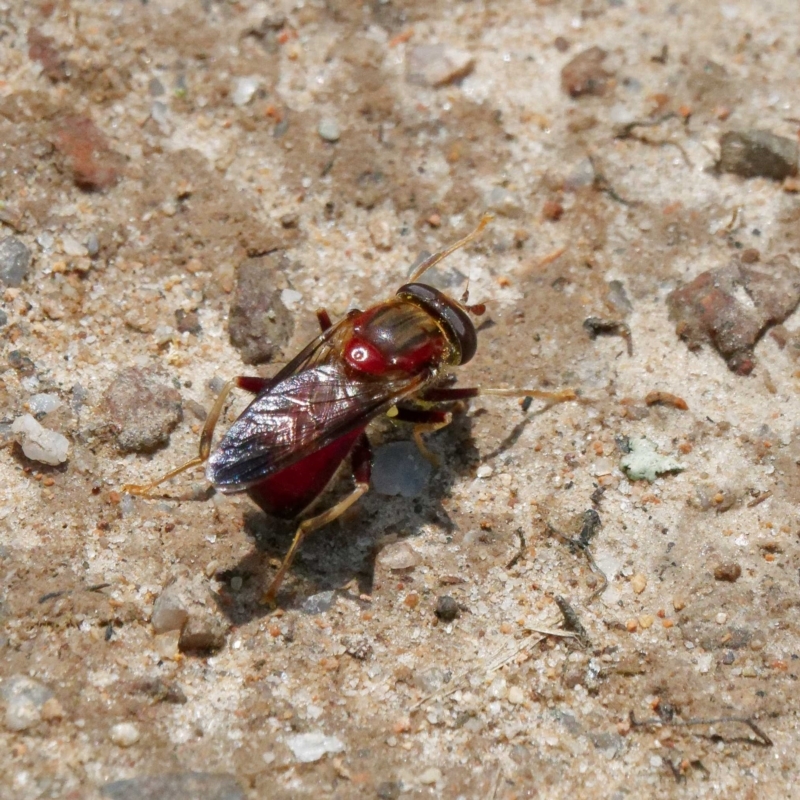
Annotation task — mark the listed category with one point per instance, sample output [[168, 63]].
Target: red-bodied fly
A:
[[308, 419]]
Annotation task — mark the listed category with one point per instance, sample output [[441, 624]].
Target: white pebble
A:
[[484, 471], [124, 734], [515, 695], [329, 130], [308, 747], [244, 89], [39, 443], [430, 776], [290, 298], [43, 403]]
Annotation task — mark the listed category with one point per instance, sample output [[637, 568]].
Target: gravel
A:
[[308, 747], [142, 409], [24, 698], [15, 261], [40, 443]]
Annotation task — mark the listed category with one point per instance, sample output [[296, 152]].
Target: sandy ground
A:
[[148, 153]]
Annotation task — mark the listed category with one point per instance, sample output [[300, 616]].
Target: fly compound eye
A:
[[449, 315]]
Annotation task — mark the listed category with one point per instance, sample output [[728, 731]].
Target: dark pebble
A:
[[176, 786], [259, 323], [447, 608], [203, 634], [15, 261], [21, 363], [3, 318], [727, 572], [754, 153], [388, 790], [187, 322], [142, 409], [585, 74]]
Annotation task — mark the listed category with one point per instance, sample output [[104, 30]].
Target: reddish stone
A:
[[94, 165], [707, 310]]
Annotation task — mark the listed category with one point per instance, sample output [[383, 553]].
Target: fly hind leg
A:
[[254, 385], [361, 462]]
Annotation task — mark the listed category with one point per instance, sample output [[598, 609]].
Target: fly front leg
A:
[[449, 395], [425, 421], [361, 463], [243, 382]]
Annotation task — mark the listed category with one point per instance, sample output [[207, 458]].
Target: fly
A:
[[311, 417]]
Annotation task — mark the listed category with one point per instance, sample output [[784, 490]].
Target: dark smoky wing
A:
[[297, 416]]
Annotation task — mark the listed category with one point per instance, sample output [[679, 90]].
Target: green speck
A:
[[644, 463]]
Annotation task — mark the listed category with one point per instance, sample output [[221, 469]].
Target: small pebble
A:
[[638, 583], [319, 603], [504, 203], [729, 572], [381, 232], [72, 247], [309, 747], [430, 776], [515, 696], [24, 698], [484, 471], [447, 608], [142, 408], [646, 621], [203, 632], [15, 261], [754, 153], [169, 613], [678, 603], [244, 89], [3, 318], [437, 65], [329, 130], [43, 403], [398, 556], [585, 74], [124, 734], [721, 618], [39, 443]]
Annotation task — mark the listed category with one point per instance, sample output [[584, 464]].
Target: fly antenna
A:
[[432, 261]]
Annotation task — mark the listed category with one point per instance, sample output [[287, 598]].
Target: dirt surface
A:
[[150, 150]]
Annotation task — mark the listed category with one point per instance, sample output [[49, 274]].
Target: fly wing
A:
[[305, 411]]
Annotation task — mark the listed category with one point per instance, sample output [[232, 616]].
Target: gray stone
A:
[[15, 261], [169, 613], [259, 322], [24, 698], [141, 409], [176, 786], [755, 153]]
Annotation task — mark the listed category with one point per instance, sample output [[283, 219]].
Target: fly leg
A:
[[324, 319], [254, 385], [425, 421], [447, 395], [361, 464]]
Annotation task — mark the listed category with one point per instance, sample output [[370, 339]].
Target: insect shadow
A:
[[342, 556]]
